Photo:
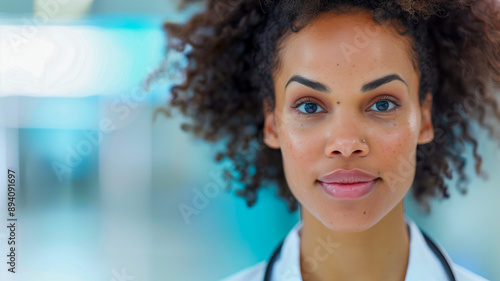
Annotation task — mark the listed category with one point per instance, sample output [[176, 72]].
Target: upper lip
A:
[[347, 176]]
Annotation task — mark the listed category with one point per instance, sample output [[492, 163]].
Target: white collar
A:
[[423, 264]]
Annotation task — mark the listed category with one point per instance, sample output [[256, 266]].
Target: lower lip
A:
[[348, 191]]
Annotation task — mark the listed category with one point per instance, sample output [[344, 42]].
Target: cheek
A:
[[392, 148], [395, 156], [301, 150], [389, 145], [395, 151], [300, 147]]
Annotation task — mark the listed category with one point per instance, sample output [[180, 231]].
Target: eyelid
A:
[[303, 100], [396, 101]]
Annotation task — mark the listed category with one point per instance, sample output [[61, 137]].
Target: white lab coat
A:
[[423, 264]]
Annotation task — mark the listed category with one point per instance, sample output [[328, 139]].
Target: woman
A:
[[345, 106]]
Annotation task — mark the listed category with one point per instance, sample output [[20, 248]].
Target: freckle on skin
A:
[[338, 102], [364, 213]]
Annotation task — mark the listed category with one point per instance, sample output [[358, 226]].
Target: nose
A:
[[346, 141]]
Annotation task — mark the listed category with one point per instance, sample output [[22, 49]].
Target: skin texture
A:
[[344, 52], [457, 46]]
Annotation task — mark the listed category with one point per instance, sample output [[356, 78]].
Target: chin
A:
[[348, 222]]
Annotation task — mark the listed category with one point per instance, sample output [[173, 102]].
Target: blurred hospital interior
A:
[[102, 177]]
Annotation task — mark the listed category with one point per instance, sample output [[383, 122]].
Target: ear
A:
[[426, 134], [270, 133]]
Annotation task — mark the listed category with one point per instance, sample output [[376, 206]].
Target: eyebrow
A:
[[320, 87], [381, 81]]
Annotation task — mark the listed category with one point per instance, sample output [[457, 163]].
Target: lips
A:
[[347, 176], [348, 184]]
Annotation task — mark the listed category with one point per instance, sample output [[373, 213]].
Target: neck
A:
[[378, 253]]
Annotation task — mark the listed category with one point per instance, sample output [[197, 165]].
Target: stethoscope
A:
[[434, 248]]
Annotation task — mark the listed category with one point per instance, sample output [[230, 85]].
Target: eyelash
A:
[[394, 100], [301, 101]]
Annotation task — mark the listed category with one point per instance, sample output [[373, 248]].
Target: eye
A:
[[384, 104], [309, 108]]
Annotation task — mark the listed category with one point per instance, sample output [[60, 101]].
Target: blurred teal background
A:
[[101, 186]]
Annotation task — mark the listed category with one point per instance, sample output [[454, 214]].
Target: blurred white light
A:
[[32, 59], [70, 61], [67, 9]]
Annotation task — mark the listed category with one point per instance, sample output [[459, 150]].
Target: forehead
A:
[[346, 44]]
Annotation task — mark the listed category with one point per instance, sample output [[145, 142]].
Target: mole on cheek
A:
[[338, 102]]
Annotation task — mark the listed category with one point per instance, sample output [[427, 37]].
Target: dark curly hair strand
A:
[[232, 51]]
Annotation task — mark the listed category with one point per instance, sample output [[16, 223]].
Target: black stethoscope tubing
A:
[[434, 248]]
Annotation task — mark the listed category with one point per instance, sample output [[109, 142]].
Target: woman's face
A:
[[342, 79]]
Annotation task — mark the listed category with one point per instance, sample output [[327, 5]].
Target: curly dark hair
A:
[[232, 51]]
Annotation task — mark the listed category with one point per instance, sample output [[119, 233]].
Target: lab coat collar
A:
[[423, 264]]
